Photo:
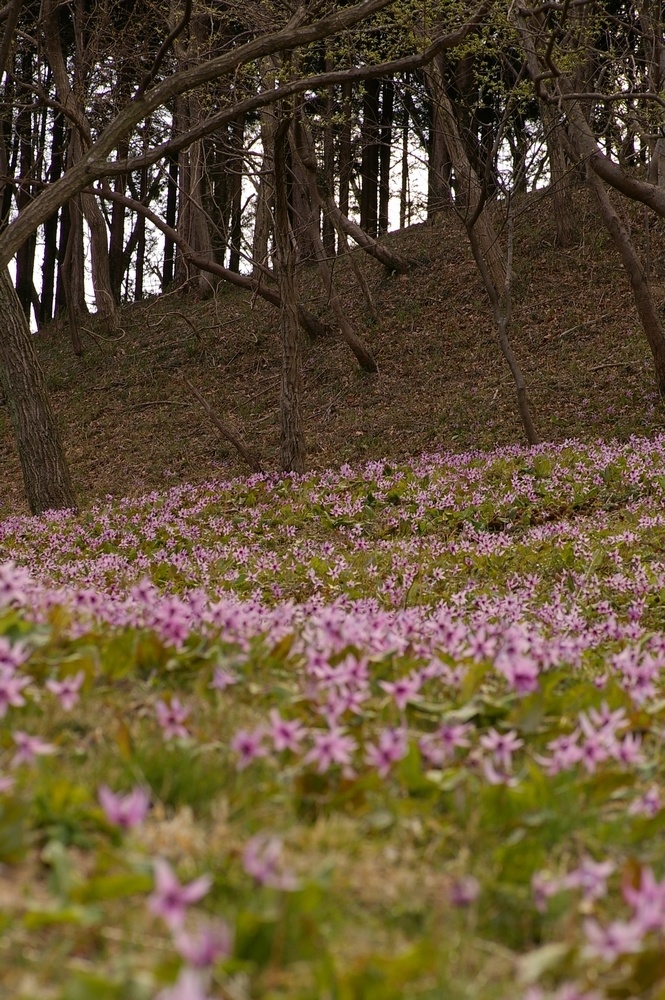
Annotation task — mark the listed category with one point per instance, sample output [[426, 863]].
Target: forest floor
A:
[[131, 425]]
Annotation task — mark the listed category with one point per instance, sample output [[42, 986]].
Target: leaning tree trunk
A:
[[45, 472], [644, 300]]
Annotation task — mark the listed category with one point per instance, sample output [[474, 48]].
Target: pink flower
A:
[[188, 986], [648, 901], [6, 783], [403, 690], [11, 686], [392, 746], [610, 942], [14, 582], [331, 746], [464, 891], [207, 946], [502, 746], [12, 655], [222, 679], [171, 899], [544, 886], [591, 877], [171, 717], [285, 734], [262, 859], [248, 744], [125, 811], [649, 804], [29, 747], [67, 690]]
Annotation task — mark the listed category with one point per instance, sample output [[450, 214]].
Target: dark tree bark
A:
[[369, 171], [305, 152], [171, 216], [235, 168], [561, 174], [25, 258], [139, 267], [292, 435], [51, 225], [117, 235], [644, 300], [345, 149], [439, 166], [385, 138], [328, 228], [404, 206], [45, 473]]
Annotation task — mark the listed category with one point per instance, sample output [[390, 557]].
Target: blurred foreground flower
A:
[[206, 946], [464, 891], [171, 717], [263, 860], [125, 811], [29, 747], [188, 986], [67, 690], [171, 899]]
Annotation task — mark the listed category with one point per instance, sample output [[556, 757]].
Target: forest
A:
[[332, 485], [259, 146]]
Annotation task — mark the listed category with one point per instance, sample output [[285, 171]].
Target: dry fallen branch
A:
[[225, 429]]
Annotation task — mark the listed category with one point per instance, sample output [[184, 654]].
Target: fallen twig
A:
[[224, 429]]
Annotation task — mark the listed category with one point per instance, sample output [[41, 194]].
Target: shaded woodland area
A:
[[266, 146]]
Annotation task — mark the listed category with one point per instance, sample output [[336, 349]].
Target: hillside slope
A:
[[131, 425]]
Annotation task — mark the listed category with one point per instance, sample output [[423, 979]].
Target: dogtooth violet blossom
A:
[[209, 943], [263, 860], [188, 986], [29, 747], [125, 811], [170, 899], [11, 687], [67, 690], [171, 717], [248, 745], [331, 746], [392, 746]]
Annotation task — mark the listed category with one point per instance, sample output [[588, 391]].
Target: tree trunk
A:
[[51, 225], [345, 150], [79, 126], [439, 164], [292, 436], [369, 170], [644, 301], [385, 138], [471, 196], [117, 235], [561, 176], [306, 154], [235, 168], [328, 228], [501, 298], [305, 215], [25, 258], [171, 217], [265, 195], [45, 473]]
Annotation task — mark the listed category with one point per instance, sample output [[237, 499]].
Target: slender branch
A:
[[164, 48]]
